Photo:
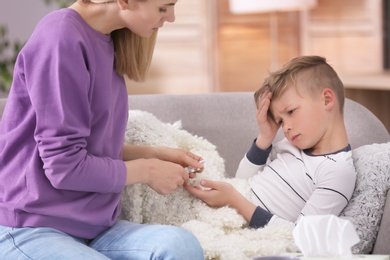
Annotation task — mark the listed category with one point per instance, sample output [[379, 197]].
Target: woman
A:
[[63, 165]]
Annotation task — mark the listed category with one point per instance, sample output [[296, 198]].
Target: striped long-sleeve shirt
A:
[[288, 183]]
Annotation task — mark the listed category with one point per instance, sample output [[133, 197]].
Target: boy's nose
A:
[[286, 127], [170, 18]]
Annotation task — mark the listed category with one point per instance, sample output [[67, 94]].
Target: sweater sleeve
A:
[[260, 218], [250, 165], [58, 79], [253, 161]]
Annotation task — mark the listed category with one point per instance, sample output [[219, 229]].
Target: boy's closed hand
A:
[[266, 124]]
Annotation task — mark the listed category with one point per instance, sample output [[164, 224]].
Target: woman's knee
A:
[[126, 240], [178, 243]]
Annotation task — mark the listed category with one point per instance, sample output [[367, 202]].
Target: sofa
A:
[[228, 121]]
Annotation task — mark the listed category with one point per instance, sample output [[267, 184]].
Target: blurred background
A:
[[231, 45]]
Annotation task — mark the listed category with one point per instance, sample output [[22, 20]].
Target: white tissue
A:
[[325, 236]]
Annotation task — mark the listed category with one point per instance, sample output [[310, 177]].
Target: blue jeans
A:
[[124, 240]]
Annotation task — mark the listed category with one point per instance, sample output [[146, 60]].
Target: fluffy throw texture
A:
[[365, 209], [221, 231]]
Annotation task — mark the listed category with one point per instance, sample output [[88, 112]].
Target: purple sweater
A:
[[62, 131]]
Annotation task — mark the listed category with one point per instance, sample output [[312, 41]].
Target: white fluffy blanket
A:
[[221, 232]]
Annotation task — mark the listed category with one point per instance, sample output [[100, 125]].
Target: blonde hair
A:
[[133, 54], [310, 73]]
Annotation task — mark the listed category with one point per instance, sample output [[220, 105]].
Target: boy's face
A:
[[301, 117]]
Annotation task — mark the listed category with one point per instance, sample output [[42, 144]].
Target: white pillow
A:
[[365, 209]]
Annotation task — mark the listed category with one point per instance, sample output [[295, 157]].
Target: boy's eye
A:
[[291, 111], [163, 10], [279, 121]]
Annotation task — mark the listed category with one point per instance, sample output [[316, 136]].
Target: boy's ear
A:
[[126, 4], [329, 97]]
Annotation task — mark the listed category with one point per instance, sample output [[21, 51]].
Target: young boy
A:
[[310, 171]]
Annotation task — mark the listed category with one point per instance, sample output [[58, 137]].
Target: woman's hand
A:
[[180, 156], [163, 177], [266, 124], [175, 155], [162, 168]]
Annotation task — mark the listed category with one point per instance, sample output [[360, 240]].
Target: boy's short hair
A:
[[310, 73]]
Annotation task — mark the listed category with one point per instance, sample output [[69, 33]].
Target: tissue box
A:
[[354, 257]]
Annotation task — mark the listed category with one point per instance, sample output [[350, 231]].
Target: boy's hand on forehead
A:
[[266, 124]]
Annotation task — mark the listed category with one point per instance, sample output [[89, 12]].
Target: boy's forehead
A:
[[284, 99]]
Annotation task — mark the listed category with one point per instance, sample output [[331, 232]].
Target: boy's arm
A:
[[333, 191], [253, 161], [221, 194]]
